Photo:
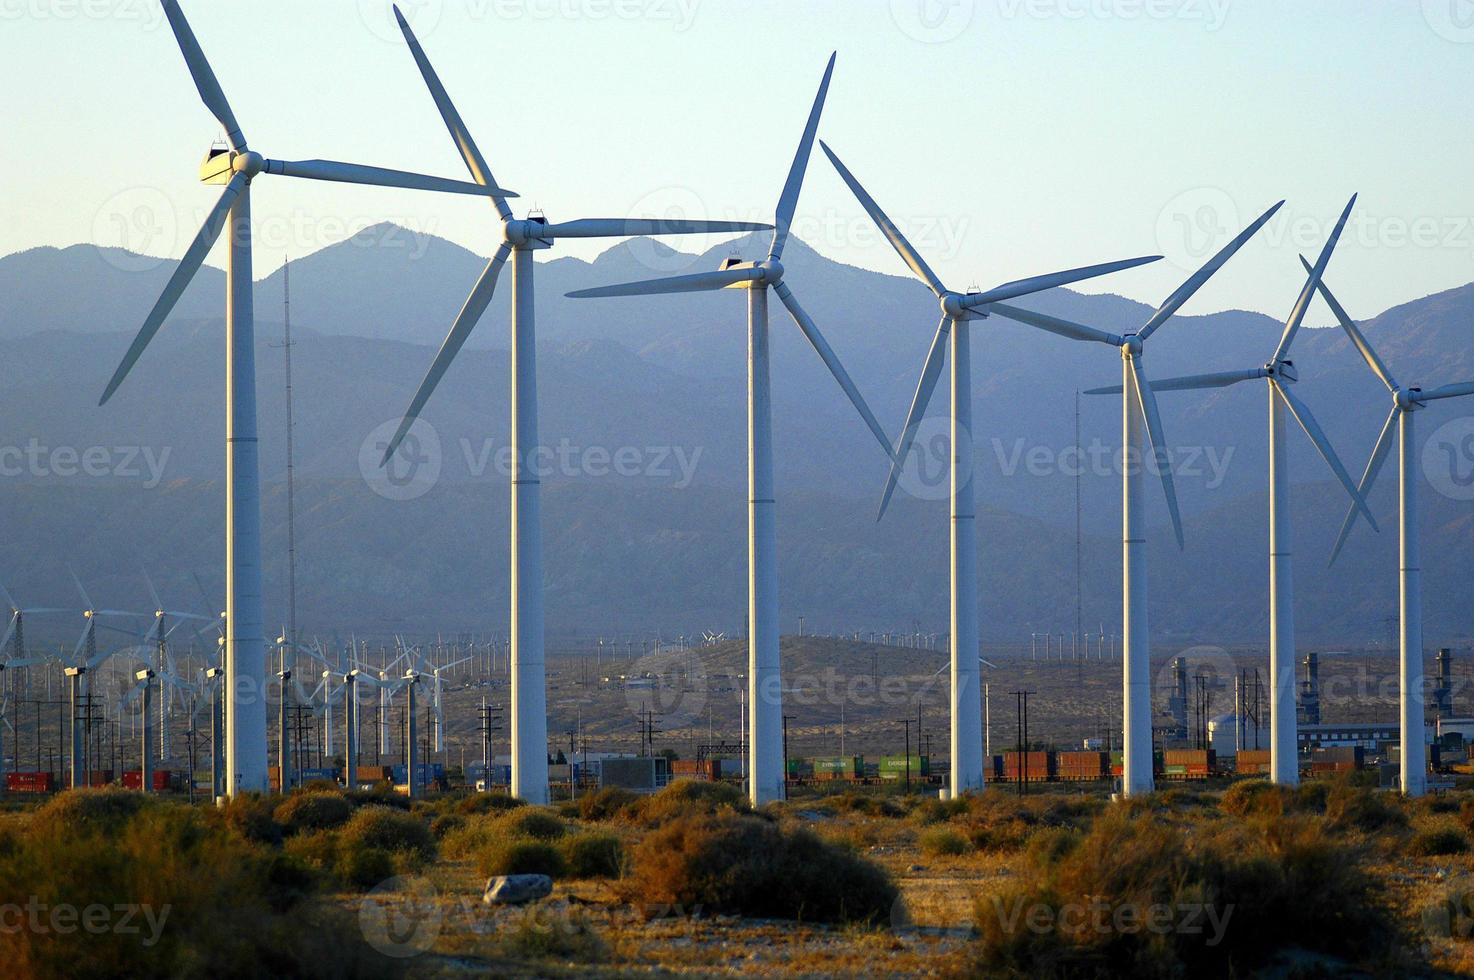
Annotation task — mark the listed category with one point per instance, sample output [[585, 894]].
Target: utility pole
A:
[[907, 723], [786, 720]]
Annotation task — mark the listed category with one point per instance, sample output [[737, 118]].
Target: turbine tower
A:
[[1141, 423], [1406, 402], [520, 238], [1279, 373], [765, 704], [236, 168], [958, 310]]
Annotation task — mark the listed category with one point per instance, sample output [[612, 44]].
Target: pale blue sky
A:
[[1009, 136]]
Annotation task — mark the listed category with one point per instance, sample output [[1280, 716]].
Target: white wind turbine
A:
[[1141, 424], [1280, 373], [520, 239], [1405, 402], [958, 309], [245, 648], [766, 780]]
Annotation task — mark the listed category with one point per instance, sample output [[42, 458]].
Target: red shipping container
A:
[[30, 782]]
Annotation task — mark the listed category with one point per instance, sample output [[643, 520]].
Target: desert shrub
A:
[[1271, 885], [320, 786], [850, 801], [313, 811], [317, 849], [930, 811], [1351, 807], [531, 822], [742, 864], [541, 933], [388, 830], [1051, 845], [943, 842], [364, 867], [487, 803], [214, 903], [606, 803], [443, 823], [1437, 838], [593, 854], [94, 810], [689, 796], [521, 856], [253, 816], [1253, 797], [383, 795]]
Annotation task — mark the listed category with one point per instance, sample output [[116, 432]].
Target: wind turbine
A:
[[1141, 423], [1406, 401], [958, 310], [1279, 373], [164, 666], [756, 278], [236, 168], [520, 238]]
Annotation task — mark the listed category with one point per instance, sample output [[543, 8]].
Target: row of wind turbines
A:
[[245, 645]]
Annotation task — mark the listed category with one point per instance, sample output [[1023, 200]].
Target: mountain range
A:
[[644, 400]]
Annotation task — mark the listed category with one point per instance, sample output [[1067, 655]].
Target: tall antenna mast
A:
[[1079, 471], [291, 481]]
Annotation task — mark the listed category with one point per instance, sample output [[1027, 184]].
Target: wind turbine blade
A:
[[898, 241], [1368, 477], [1191, 382], [204, 76], [1153, 419], [1196, 280], [9, 599], [788, 200], [1312, 428], [930, 372], [86, 599], [194, 257], [1307, 292], [354, 173], [465, 322], [475, 163], [1065, 328], [826, 353], [1035, 284], [1349, 325], [697, 282], [153, 592], [629, 227], [9, 631], [1449, 391]]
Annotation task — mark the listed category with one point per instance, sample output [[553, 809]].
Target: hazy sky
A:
[[1008, 137]]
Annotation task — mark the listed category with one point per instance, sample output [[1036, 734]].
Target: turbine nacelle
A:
[[1409, 399], [1283, 371], [1131, 345], [768, 272], [527, 233]]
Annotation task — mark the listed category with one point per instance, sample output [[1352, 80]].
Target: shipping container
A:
[[846, 766], [160, 779], [30, 782], [1074, 766]]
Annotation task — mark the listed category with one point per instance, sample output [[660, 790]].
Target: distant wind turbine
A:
[[245, 660], [520, 238], [1406, 401], [1141, 423], [1280, 373], [767, 778], [958, 309]]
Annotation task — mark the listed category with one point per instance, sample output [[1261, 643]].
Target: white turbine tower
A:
[[245, 648], [520, 239], [1280, 373], [1141, 423], [1406, 401], [958, 309], [766, 776]]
